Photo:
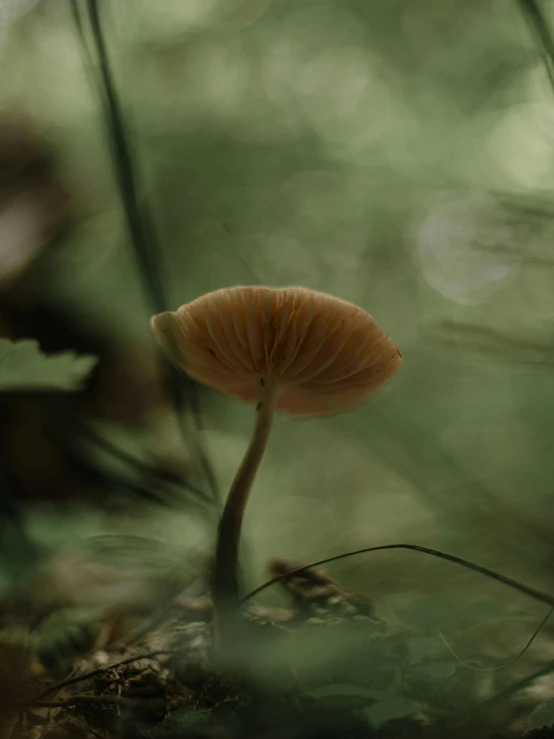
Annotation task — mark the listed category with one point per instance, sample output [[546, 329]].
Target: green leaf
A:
[[190, 719], [387, 652], [435, 669], [544, 716], [432, 612], [428, 613], [354, 691], [424, 647], [381, 713], [23, 366]]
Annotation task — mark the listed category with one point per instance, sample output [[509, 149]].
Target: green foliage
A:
[[382, 713], [187, 720], [350, 691], [435, 669], [23, 366], [286, 142], [388, 674], [437, 612], [424, 647]]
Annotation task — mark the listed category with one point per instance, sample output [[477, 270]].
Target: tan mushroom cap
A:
[[327, 355]]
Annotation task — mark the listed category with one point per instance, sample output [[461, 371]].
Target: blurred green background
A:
[[399, 155]]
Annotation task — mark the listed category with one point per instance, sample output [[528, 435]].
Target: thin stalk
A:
[[138, 218], [225, 587], [509, 662], [510, 582]]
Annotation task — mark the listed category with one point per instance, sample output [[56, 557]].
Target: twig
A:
[[509, 662], [531, 592], [99, 671], [77, 699]]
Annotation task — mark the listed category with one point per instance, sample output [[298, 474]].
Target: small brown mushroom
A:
[[288, 349]]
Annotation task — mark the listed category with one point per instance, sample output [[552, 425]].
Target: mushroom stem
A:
[[225, 588]]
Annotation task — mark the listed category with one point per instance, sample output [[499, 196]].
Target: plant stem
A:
[[100, 671], [225, 588], [138, 218], [510, 582]]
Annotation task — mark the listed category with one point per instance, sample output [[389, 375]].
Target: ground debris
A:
[[316, 593], [167, 684]]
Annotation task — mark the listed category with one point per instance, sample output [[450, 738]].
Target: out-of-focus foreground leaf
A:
[[23, 366]]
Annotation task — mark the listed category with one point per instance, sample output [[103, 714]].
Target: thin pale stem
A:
[[225, 588]]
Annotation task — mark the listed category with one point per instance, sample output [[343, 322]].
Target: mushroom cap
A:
[[325, 354]]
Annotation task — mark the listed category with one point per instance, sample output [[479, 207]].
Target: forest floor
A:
[[326, 667]]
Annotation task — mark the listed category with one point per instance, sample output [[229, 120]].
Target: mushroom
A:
[[287, 349]]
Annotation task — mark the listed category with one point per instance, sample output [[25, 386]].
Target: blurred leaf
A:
[[391, 648], [381, 713], [104, 573], [129, 554], [432, 612], [424, 647], [23, 366], [344, 697], [190, 719], [335, 654], [544, 716], [354, 691], [435, 669]]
